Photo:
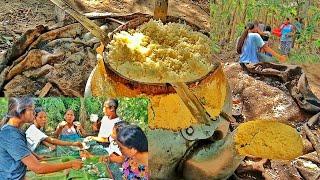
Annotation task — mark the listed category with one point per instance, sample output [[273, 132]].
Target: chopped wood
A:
[[312, 139], [44, 91], [117, 21], [311, 157], [313, 119]]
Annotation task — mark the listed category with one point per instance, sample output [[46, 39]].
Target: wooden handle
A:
[[87, 23], [161, 10], [191, 102]]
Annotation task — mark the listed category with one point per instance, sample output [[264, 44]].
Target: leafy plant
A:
[[134, 110], [3, 107]]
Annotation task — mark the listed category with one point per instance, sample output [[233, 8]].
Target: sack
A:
[[277, 32]]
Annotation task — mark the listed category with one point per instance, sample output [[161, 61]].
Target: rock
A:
[[38, 72], [20, 86], [70, 76], [282, 170], [261, 100]]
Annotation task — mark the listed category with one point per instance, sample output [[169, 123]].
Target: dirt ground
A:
[[311, 69], [18, 16]]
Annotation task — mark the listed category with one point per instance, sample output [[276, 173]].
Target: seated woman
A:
[[133, 145], [35, 136], [113, 149], [69, 129], [15, 156]]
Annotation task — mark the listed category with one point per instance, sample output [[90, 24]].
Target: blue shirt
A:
[[285, 30], [250, 48], [13, 148]]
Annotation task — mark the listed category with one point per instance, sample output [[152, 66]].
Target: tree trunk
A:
[[234, 21], [228, 22], [83, 113], [245, 11]]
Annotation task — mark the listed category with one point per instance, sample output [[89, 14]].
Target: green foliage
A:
[[72, 103], [95, 169], [52, 176], [239, 29], [92, 169], [134, 111], [301, 56], [3, 107], [55, 108], [317, 43], [94, 106]]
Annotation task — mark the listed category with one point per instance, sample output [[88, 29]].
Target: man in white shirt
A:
[[105, 126]]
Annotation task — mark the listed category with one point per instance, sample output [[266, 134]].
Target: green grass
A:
[[302, 57]]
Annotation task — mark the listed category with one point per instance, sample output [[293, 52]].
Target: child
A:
[[266, 37], [266, 34]]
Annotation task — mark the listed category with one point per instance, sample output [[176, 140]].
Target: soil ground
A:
[[311, 69]]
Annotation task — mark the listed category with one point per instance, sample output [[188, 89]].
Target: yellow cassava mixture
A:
[[268, 139], [158, 53]]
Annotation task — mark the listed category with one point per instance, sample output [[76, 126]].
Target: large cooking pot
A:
[[173, 129]]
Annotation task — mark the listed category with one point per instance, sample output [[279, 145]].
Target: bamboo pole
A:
[[245, 11], [228, 21]]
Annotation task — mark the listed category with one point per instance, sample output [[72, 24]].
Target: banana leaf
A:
[[62, 175]]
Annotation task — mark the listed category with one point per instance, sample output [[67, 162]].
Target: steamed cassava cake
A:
[[268, 139], [158, 53]]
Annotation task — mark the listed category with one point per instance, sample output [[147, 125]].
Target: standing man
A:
[[298, 26], [287, 34]]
